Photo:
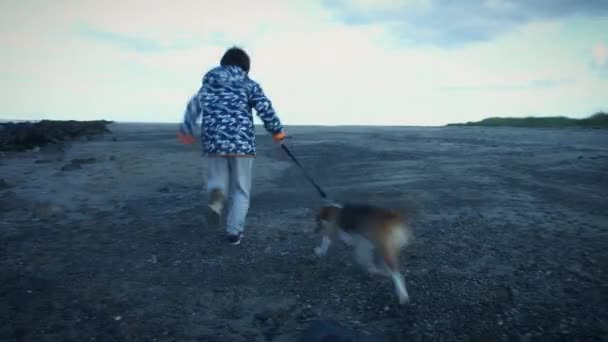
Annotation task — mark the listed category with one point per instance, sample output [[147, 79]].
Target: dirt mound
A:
[[24, 136]]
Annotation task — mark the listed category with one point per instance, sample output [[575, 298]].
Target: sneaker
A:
[[235, 238]]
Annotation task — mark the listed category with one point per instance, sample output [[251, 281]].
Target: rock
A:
[[25, 136], [53, 148], [46, 211], [4, 185], [10, 201], [163, 189], [77, 163], [276, 310], [525, 338], [71, 167], [271, 322], [83, 160], [330, 330], [263, 316]]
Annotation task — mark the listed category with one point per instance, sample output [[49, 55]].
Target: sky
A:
[[327, 62]]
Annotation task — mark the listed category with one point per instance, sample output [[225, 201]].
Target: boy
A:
[[224, 102]]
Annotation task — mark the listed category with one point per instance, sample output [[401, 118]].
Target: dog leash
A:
[[312, 181]]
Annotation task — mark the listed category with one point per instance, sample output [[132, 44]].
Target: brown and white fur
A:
[[377, 235]]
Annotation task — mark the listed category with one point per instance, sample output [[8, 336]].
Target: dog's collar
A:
[[332, 203]]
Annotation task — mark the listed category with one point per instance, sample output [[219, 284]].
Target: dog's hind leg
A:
[[392, 261]]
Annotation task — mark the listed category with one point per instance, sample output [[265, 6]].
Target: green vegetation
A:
[[597, 120]]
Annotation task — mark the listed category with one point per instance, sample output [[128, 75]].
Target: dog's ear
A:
[[319, 215], [324, 214], [318, 221]]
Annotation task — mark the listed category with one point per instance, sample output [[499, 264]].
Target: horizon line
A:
[[2, 120]]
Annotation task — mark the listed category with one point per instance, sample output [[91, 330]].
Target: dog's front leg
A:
[[321, 250]]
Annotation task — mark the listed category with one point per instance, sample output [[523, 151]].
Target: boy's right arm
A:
[[265, 111], [186, 128]]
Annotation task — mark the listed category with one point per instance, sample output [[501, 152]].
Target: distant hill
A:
[[598, 120]]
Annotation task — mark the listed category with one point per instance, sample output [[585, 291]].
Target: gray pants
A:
[[231, 176]]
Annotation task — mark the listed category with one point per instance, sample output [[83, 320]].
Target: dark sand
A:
[[511, 238]]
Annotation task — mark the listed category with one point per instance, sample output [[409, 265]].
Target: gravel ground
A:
[[105, 240]]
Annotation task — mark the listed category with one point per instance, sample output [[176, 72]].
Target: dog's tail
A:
[[402, 236]]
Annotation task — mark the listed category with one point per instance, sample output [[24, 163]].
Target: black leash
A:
[[321, 192]]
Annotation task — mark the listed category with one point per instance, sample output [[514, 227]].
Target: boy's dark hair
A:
[[236, 56]]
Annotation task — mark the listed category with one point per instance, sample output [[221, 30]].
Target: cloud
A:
[[457, 23], [530, 85], [136, 43], [600, 55]]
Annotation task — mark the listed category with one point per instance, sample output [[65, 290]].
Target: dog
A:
[[377, 236]]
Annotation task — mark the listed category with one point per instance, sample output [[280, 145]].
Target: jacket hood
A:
[[225, 75]]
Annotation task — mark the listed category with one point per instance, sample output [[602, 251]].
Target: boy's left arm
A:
[[186, 128], [266, 112]]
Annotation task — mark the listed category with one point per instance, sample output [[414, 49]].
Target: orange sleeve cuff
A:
[[279, 136], [185, 138]]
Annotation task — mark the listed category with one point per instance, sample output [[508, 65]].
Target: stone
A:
[[24, 136], [83, 160], [10, 201], [71, 167], [4, 184], [330, 330], [45, 211]]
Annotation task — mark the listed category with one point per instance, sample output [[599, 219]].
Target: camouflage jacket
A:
[[225, 102]]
